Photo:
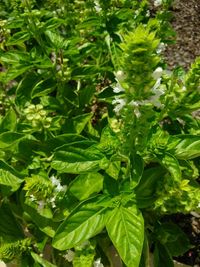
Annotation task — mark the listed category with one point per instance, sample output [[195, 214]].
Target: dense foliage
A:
[[98, 140]]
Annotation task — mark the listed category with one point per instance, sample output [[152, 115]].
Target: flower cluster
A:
[[156, 91], [44, 192], [37, 116]]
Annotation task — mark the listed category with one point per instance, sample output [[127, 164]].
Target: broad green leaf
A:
[[53, 23], [9, 121], [145, 258], [18, 38], [9, 182], [8, 139], [29, 81], [79, 122], [145, 191], [14, 72], [172, 165], [85, 222], [13, 57], [64, 139], [137, 167], [86, 184], [10, 230], [187, 148], [125, 228], [162, 257], [57, 40], [41, 261], [44, 87], [175, 240], [113, 169], [77, 160], [45, 224]]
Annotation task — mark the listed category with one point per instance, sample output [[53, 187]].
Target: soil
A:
[[186, 23]]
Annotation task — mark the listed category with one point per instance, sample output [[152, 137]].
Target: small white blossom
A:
[[136, 105], [52, 201], [57, 185], [161, 48], [157, 73], [69, 256], [41, 204], [148, 13], [120, 104], [118, 88], [157, 3], [97, 263], [120, 75], [97, 6], [54, 180], [32, 197]]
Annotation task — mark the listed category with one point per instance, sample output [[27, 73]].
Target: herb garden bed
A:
[[99, 134]]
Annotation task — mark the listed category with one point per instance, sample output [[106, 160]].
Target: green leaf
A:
[[60, 140], [86, 184], [175, 240], [79, 122], [172, 165], [18, 38], [8, 139], [44, 87], [145, 191], [14, 72], [162, 257], [137, 167], [23, 94], [45, 224], [10, 230], [9, 121], [41, 261], [77, 160], [113, 169], [85, 222], [9, 182], [125, 228], [187, 148]]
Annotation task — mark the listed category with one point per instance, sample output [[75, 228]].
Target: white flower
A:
[[157, 3], [97, 6], [56, 183], [54, 180], [120, 75], [136, 105], [157, 73], [69, 256], [118, 88], [32, 197], [161, 48], [52, 201], [97, 263], [120, 104], [148, 13], [41, 204]]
